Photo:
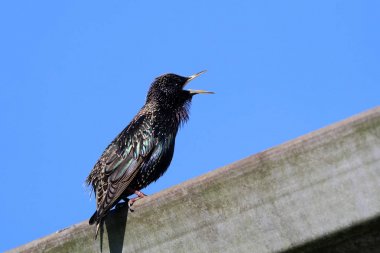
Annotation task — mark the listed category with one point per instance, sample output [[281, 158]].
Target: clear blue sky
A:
[[74, 73]]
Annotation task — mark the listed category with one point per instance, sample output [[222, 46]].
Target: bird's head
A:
[[168, 89]]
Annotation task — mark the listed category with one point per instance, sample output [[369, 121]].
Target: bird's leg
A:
[[140, 194], [133, 200]]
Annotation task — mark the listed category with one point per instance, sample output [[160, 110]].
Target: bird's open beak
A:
[[192, 77]]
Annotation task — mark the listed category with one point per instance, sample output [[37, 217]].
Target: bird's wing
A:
[[124, 159]]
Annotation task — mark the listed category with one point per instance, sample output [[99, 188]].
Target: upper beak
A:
[[195, 75], [197, 91]]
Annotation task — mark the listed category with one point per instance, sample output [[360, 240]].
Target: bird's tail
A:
[[93, 218], [99, 222]]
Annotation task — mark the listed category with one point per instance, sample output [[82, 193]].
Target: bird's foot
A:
[[140, 195], [133, 200]]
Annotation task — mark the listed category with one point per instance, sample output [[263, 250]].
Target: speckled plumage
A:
[[142, 152]]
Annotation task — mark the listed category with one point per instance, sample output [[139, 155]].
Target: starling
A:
[[142, 152]]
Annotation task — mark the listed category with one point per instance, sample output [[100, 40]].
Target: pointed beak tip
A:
[[194, 92], [196, 75], [201, 72]]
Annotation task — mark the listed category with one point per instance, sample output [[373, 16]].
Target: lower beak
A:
[[201, 92], [197, 91]]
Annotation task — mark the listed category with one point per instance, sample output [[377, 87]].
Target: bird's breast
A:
[[157, 163]]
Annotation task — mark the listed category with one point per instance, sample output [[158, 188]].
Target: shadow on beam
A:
[[363, 238], [116, 229]]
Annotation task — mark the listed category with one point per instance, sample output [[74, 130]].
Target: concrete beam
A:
[[319, 191]]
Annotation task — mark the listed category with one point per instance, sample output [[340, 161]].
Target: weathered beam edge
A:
[[235, 170]]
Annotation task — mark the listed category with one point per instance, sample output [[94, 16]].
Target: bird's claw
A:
[[130, 204]]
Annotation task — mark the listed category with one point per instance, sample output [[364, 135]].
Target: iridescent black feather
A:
[[142, 152]]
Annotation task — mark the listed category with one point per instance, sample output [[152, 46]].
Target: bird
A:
[[143, 150]]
